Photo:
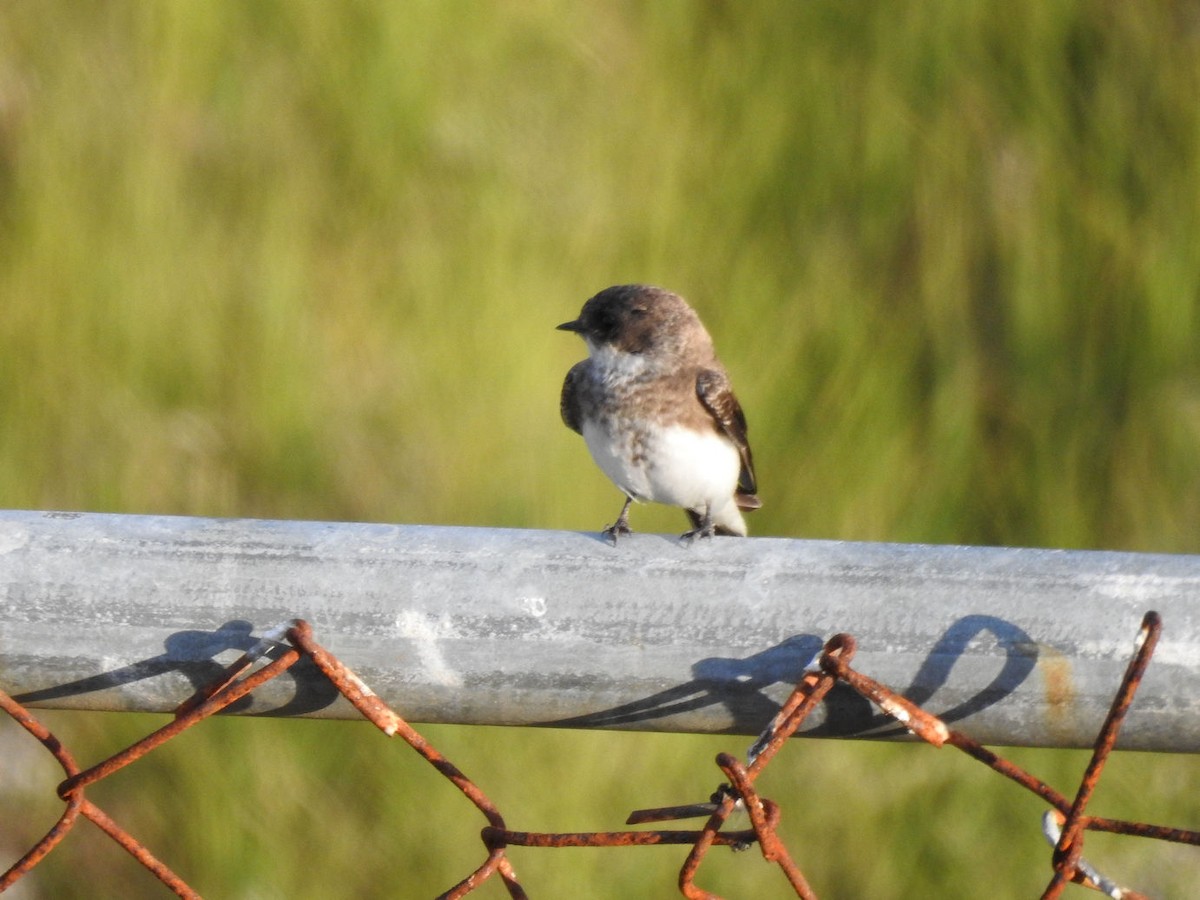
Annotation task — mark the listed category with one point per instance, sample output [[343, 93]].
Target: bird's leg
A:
[[704, 526], [621, 526]]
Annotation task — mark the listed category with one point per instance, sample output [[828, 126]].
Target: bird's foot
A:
[[706, 529], [617, 529], [621, 526]]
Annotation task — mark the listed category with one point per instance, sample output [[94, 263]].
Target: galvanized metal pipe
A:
[[492, 626]]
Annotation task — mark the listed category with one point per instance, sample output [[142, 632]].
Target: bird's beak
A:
[[575, 326]]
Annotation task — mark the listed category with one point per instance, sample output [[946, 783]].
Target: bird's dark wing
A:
[[716, 396], [568, 404]]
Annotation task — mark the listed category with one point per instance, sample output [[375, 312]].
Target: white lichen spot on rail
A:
[[426, 633]]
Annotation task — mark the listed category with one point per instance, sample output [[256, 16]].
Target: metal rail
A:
[[496, 626]]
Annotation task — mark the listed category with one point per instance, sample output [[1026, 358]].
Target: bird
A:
[[657, 411]]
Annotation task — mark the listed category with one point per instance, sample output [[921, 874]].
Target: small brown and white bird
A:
[[656, 409]]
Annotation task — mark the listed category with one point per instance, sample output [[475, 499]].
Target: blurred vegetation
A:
[[304, 260]]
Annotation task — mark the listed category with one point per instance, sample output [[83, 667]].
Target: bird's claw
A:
[[706, 530], [615, 530]]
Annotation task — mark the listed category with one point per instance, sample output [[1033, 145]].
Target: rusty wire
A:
[[1064, 824]]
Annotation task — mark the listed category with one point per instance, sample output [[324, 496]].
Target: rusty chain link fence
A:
[[1065, 822]]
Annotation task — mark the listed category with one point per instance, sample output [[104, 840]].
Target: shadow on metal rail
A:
[[270, 656]]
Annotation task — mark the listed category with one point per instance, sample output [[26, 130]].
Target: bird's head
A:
[[642, 321]]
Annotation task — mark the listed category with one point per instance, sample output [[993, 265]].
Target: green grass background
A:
[[304, 260]]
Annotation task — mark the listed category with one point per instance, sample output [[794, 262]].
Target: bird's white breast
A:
[[665, 464]]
